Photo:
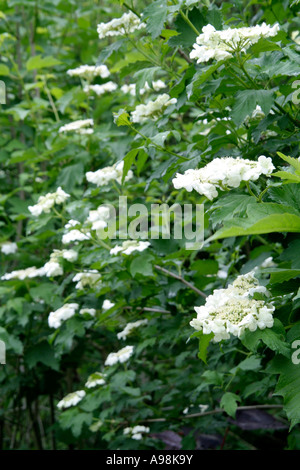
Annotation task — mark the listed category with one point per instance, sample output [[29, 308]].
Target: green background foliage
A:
[[250, 386]]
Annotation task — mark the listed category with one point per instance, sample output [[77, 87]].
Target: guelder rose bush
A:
[[115, 341]]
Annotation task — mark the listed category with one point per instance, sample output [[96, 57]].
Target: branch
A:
[[212, 412], [179, 278], [149, 309]]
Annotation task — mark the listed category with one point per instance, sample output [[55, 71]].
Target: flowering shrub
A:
[[164, 102]]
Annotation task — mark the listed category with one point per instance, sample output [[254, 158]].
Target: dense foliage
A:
[[169, 97]]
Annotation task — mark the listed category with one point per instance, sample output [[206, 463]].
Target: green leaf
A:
[[43, 353], [121, 118], [251, 363], [271, 337], [288, 194], [187, 36], [109, 50], [142, 264], [288, 387], [289, 177], [74, 420], [201, 77], [11, 342], [155, 15], [229, 207], [294, 162], [4, 70], [247, 100], [129, 160], [70, 176], [280, 222], [229, 403], [204, 341], [39, 62], [281, 275]]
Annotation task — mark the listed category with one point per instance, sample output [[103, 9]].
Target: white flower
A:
[[82, 126], [203, 408], [56, 318], [99, 217], [9, 248], [223, 173], [221, 45], [153, 109], [72, 399], [97, 378], [107, 304], [110, 173], [96, 426], [268, 263], [126, 24], [90, 311], [131, 89], [52, 269], [89, 71], [69, 255], [45, 203], [233, 310], [87, 279], [74, 235], [22, 274], [129, 246], [121, 356], [130, 327], [136, 432], [101, 89]]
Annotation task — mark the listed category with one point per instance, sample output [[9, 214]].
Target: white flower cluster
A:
[[98, 218], [223, 173], [221, 45], [130, 327], [136, 432], [110, 173], [87, 279], [74, 234], [45, 203], [157, 85], [126, 24], [8, 248], [89, 72], [233, 310], [107, 87], [89, 311], [52, 267], [72, 399], [82, 126], [21, 274], [97, 378], [107, 304], [129, 246], [153, 109], [56, 318], [121, 356]]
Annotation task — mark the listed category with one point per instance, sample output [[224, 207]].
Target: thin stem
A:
[[188, 21], [179, 278], [250, 191], [159, 147]]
